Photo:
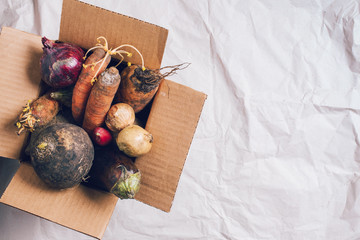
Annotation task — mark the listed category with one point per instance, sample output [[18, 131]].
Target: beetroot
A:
[[62, 155], [61, 63]]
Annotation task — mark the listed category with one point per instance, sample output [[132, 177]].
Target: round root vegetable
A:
[[101, 136], [134, 141], [114, 172], [100, 99], [37, 113], [64, 116], [95, 64], [139, 85], [62, 155], [60, 63], [119, 116]]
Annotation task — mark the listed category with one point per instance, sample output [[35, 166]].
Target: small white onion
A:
[[119, 116], [134, 141]]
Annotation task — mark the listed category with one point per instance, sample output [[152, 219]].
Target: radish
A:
[[101, 136]]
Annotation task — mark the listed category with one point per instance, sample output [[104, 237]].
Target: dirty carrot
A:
[[100, 99], [96, 63], [79, 98], [138, 86]]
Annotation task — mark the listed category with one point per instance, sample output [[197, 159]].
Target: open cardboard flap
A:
[[172, 121], [276, 154]]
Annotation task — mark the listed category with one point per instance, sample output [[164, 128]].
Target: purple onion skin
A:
[[61, 63]]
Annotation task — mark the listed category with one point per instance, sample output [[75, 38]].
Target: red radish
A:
[[101, 136]]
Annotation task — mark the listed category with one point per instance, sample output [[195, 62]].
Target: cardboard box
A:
[[173, 119]]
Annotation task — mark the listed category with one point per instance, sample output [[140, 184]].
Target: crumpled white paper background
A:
[[276, 153]]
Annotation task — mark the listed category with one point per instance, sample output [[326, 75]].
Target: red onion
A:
[[60, 63]]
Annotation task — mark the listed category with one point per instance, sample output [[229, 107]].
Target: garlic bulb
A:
[[119, 116], [134, 141]]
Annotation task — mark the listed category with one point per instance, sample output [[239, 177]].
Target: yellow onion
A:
[[134, 141], [119, 116]]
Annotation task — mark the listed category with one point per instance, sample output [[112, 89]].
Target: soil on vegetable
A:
[[62, 155], [145, 80]]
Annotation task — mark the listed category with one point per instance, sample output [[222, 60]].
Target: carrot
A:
[[96, 63], [139, 85], [37, 113], [81, 92], [100, 99]]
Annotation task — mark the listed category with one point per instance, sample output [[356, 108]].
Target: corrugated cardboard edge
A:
[[14, 78], [173, 120], [84, 215], [148, 38]]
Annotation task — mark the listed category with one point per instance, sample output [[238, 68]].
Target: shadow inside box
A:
[[33, 67]]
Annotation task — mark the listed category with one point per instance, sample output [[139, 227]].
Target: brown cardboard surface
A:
[[80, 208], [19, 82], [172, 121], [83, 209], [93, 22]]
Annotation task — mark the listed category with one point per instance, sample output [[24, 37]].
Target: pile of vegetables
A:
[[85, 126]]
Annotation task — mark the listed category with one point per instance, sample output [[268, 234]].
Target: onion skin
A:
[[120, 116], [114, 172], [134, 141], [60, 63]]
